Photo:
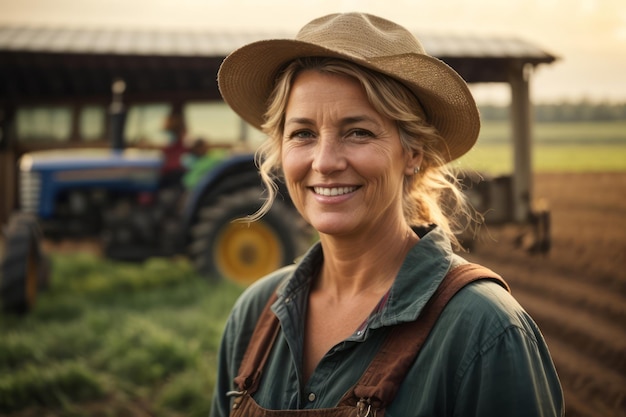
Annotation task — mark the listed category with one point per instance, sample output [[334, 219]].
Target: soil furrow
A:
[[593, 389], [558, 286], [592, 336]]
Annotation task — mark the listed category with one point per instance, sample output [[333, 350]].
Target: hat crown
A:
[[348, 33]]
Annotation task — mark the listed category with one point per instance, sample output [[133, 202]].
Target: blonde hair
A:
[[432, 196]]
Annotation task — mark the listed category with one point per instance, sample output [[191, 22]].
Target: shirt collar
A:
[[423, 269]]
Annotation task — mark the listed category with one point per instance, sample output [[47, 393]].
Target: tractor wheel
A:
[[24, 268], [223, 246]]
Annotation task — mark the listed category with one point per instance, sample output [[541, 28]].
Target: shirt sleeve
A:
[[511, 376]]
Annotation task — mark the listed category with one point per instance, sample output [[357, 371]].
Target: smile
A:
[[333, 191]]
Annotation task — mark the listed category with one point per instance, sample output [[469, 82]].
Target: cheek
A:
[[294, 172], [385, 172], [377, 162], [294, 165]]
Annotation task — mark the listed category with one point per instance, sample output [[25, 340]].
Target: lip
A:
[[333, 192]]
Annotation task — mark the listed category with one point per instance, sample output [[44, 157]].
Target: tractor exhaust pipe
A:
[[117, 114]]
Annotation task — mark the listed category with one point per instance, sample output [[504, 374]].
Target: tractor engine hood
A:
[[90, 159], [45, 175], [95, 166]]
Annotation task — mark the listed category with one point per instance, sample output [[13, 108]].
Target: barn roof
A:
[[209, 44], [59, 54]]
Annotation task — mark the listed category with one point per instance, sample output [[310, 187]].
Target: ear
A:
[[413, 160]]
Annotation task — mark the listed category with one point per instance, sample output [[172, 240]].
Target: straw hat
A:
[[247, 76]]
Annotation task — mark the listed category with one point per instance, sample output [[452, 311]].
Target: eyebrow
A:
[[299, 121]]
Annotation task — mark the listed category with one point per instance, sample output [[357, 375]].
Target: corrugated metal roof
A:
[[199, 44], [487, 47]]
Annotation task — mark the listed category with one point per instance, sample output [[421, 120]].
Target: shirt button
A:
[[311, 396]]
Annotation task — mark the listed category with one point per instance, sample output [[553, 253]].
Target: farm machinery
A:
[[138, 206]]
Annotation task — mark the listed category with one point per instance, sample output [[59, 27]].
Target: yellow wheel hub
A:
[[247, 251]]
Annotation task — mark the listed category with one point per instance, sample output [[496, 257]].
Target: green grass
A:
[[498, 158], [586, 133], [115, 339], [563, 147]]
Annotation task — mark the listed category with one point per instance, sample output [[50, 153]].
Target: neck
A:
[[363, 264]]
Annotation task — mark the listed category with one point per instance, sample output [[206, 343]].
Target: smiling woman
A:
[[361, 123]]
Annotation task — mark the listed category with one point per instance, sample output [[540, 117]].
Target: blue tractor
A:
[[137, 209]]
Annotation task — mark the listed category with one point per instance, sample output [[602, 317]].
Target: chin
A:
[[333, 229]]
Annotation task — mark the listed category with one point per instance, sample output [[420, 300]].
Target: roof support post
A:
[[244, 132], [8, 159], [519, 79]]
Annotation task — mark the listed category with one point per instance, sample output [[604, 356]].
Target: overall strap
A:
[[259, 349], [380, 382]]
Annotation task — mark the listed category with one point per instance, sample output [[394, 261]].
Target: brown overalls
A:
[[380, 381]]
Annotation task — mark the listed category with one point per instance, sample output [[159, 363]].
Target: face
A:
[[343, 162]]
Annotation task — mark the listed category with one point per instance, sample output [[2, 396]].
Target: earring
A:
[[416, 170]]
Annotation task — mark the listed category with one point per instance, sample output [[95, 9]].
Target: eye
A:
[[301, 135], [360, 134]]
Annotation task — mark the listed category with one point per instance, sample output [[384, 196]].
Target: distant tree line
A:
[[566, 111]]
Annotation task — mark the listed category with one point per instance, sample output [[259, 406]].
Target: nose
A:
[[329, 155]]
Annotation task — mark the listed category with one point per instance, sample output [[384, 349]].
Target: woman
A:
[[360, 123]]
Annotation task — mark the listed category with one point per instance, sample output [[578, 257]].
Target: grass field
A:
[[115, 339], [571, 147]]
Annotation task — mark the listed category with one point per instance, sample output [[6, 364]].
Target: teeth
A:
[[333, 191]]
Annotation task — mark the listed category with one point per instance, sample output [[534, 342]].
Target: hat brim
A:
[[247, 76]]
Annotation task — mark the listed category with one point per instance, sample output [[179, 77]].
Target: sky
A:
[[588, 36]]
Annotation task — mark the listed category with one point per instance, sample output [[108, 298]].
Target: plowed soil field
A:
[[576, 293]]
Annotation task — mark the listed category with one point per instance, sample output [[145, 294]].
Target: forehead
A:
[[316, 78], [324, 90]]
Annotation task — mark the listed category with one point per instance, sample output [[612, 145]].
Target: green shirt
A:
[[484, 357]]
